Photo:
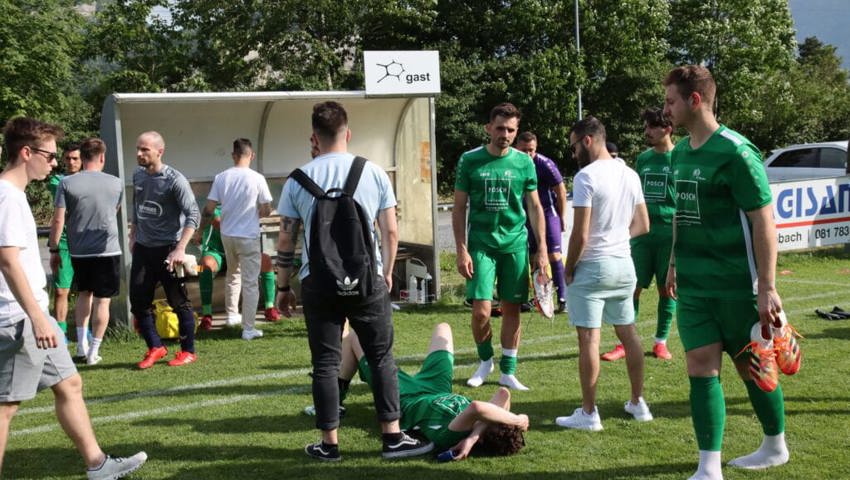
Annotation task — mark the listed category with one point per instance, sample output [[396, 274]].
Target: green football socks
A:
[[708, 412], [267, 280]]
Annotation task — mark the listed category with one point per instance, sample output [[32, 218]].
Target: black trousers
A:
[[147, 270], [371, 319]]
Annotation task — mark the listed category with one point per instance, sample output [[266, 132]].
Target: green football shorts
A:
[[651, 256], [65, 274], [509, 270], [704, 321]]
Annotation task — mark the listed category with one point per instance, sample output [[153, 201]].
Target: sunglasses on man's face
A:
[[575, 144], [50, 156]]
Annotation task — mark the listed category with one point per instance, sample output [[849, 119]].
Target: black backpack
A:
[[342, 250]]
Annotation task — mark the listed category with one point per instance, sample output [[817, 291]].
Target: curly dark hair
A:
[[501, 440]]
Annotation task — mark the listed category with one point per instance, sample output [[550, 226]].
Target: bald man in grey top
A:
[[165, 215]]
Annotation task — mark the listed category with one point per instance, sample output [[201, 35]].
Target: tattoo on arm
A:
[[285, 259], [290, 227]]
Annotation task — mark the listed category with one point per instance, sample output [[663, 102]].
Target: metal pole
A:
[[578, 51]]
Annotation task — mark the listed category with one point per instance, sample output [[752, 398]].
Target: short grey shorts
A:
[[26, 369]]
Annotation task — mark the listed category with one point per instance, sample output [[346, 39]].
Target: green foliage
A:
[[59, 65], [624, 77], [748, 45], [39, 44]]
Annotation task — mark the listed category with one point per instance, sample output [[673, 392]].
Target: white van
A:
[[808, 160]]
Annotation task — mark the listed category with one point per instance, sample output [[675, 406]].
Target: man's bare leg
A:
[[99, 322], [510, 336], [634, 358], [82, 312], [588, 366], [7, 413], [74, 419], [482, 333]]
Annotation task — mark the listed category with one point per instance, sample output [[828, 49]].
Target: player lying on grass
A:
[[449, 420]]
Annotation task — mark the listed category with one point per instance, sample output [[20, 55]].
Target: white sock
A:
[[480, 375], [661, 341], [709, 466], [771, 453], [511, 381], [509, 352], [94, 348], [82, 341]]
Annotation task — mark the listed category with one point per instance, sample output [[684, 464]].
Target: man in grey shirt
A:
[[90, 201], [165, 215]]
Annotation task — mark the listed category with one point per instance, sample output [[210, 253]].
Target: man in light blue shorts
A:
[[609, 210]]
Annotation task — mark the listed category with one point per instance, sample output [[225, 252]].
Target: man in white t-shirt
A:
[[609, 209], [33, 354], [244, 197]]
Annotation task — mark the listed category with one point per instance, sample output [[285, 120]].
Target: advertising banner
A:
[[401, 73], [812, 213]]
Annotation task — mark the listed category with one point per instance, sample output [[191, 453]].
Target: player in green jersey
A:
[[449, 420], [494, 179], [722, 268], [651, 252], [60, 259]]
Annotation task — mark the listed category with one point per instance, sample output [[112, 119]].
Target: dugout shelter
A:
[[396, 132]]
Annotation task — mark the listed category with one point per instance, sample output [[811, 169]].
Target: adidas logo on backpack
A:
[[346, 287], [341, 249]]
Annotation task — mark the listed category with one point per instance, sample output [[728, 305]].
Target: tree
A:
[[129, 50], [39, 40], [623, 53], [746, 44], [814, 98]]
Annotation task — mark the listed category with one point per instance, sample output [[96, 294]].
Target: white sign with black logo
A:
[[402, 72]]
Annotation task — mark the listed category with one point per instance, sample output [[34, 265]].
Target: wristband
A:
[[284, 289], [53, 250]]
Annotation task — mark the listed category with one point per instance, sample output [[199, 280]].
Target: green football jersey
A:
[[496, 186], [211, 238], [53, 184], [656, 179], [715, 185], [433, 413]]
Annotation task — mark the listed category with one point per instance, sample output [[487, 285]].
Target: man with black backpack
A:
[[343, 275]]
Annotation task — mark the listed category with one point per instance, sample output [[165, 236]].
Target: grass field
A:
[[237, 412]]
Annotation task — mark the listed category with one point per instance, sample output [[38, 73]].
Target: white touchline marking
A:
[[165, 410], [239, 380], [157, 412], [815, 296], [810, 282], [239, 398], [177, 389]]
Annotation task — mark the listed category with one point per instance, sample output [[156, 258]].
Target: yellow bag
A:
[[167, 324]]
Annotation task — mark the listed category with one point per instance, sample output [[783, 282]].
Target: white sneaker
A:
[[484, 368], [640, 411], [511, 382], [581, 421], [251, 334], [233, 321], [113, 468], [93, 360]]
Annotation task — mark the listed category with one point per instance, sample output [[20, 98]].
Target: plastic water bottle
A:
[[412, 292], [446, 456]]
